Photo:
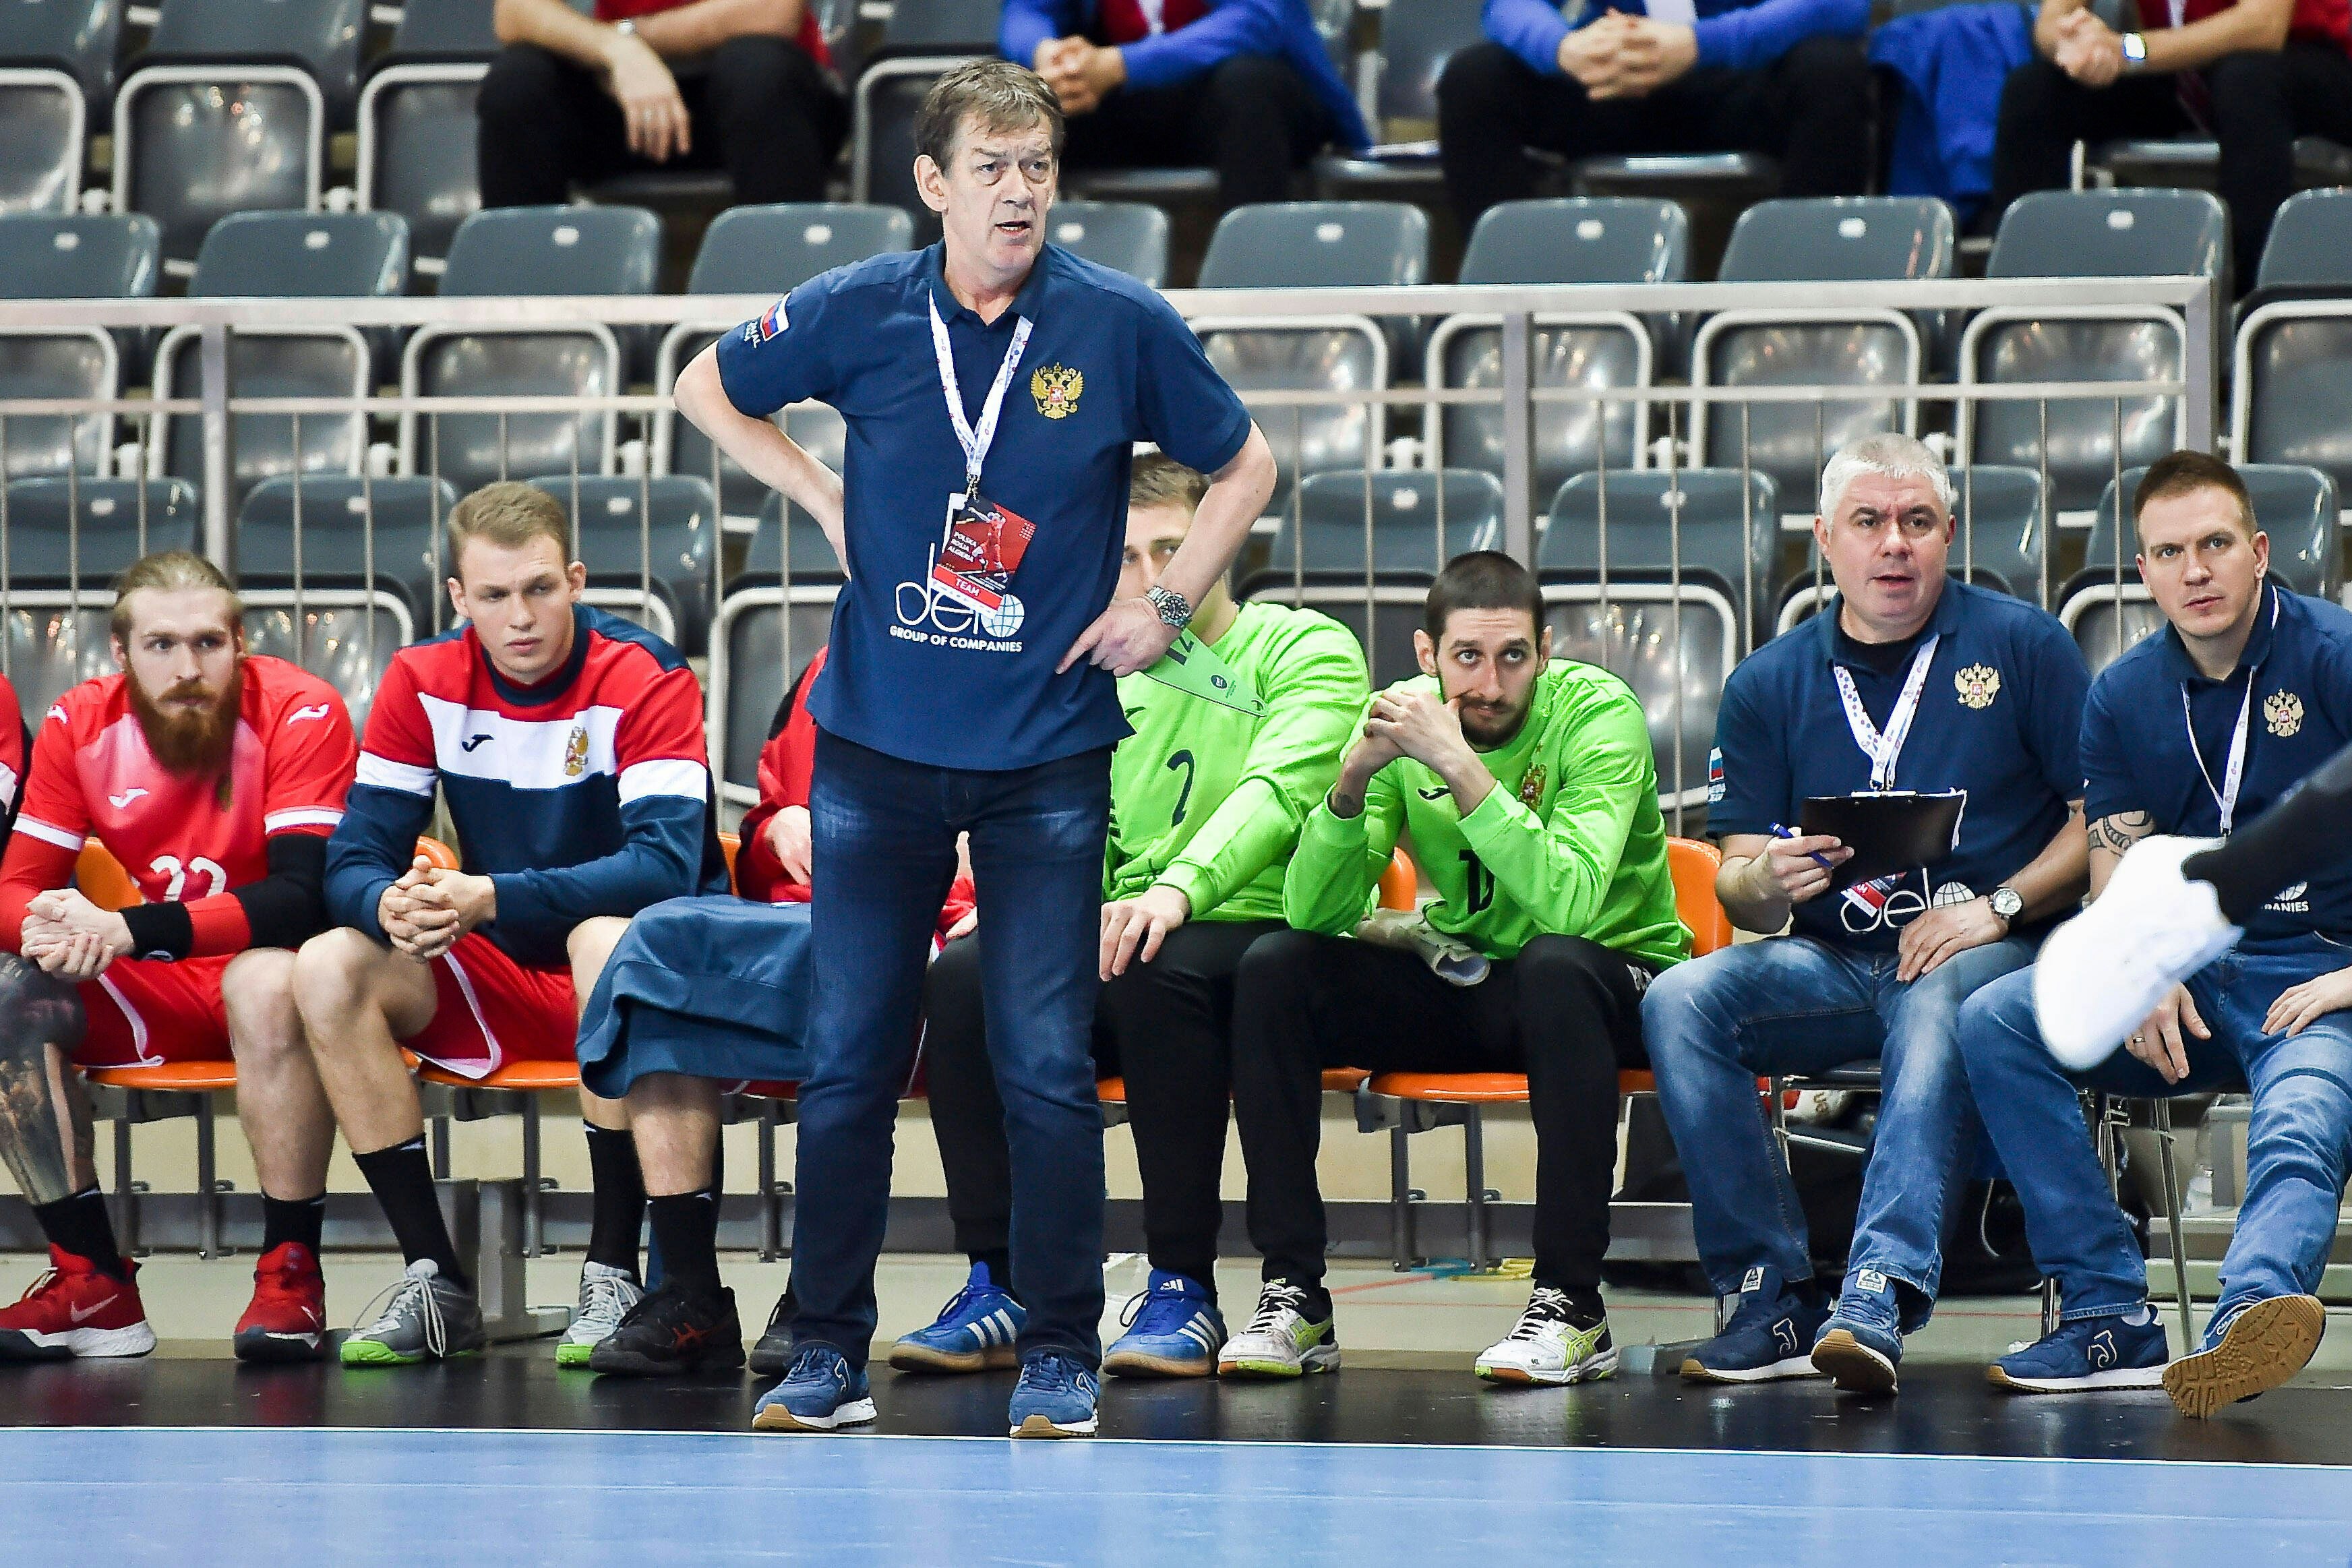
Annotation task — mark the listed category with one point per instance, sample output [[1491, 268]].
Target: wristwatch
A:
[[629, 29], [2135, 51], [2008, 903], [1174, 608]]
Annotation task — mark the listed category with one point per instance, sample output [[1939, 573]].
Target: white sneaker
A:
[[1279, 1340], [2102, 973], [607, 1294], [1546, 1348]]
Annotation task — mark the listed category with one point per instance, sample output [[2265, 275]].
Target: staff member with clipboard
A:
[[1915, 682], [970, 688]]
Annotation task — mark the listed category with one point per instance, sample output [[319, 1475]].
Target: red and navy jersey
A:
[[587, 795], [184, 838]]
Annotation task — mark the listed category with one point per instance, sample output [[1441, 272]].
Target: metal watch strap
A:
[[1174, 610]]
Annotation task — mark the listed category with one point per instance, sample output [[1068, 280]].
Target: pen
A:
[[1780, 830]]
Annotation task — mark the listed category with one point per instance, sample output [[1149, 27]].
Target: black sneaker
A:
[[773, 1356], [669, 1332]]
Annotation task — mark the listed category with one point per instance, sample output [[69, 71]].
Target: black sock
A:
[[80, 1224], [1318, 1299], [1000, 1269], [402, 1179], [686, 1230], [1584, 1306], [297, 1220], [620, 1199]]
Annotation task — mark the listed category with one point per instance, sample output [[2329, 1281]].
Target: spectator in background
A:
[[1783, 77], [740, 85], [2256, 73], [1245, 86]]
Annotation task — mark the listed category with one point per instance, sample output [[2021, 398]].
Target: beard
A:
[[1492, 729], [193, 743]]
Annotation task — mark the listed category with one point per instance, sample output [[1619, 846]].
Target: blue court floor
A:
[[200, 1497]]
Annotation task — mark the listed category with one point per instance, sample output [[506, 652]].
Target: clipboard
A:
[[1890, 831]]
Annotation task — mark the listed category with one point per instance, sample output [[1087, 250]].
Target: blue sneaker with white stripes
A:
[[1172, 1331], [973, 1332]]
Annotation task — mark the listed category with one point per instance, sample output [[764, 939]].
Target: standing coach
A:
[[993, 387]]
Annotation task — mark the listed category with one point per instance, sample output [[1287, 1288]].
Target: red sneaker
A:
[[286, 1319], [75, 1310]]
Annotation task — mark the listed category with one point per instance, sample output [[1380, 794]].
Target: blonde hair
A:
[[508, 514], [169, 572], [1161, 481]]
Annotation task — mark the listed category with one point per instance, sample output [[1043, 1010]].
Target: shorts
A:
[[490, 1010], [144, 1012]]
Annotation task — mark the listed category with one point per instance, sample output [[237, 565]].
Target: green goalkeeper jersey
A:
[[1208, 799], [1568, 842]]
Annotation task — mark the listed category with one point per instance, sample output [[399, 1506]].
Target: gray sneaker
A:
[[607, 1294], [427, 1319]]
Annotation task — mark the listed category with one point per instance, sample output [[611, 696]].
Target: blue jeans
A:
[[1793, 1005], [2296, 1146], [883, 852]]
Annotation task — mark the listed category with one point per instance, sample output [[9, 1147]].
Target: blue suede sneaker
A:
[[1173, 1331], [974, 1332], [1863, 1340], [1055, 1398], [818, 1394], [2120, 1350], [1769, 1337]]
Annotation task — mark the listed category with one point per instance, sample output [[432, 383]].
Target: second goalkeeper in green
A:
[[1530, 796]]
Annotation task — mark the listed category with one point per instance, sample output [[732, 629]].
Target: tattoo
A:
[[2118, 833], [36, 1014]]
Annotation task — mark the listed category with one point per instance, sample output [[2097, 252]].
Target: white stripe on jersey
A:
[[668, 776], [528, 754], [301, 817], [49, 832], [7, 787], [383, 773]]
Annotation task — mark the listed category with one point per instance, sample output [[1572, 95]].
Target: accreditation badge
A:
[[1192, 666], [982, 550]]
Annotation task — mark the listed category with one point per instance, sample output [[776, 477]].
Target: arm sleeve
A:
[[781, 355], [1559, 869], [1336, 873], [785, 764], [1311, 711], [1183, 405], [389, 804], [1530, 29], [1748, 780], [1029, 23], [2061, 685], [2108, 787], [1231, 27], [665, 782], [1754, 36]]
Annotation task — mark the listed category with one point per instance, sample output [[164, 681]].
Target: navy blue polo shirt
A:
[[2135, 753], [917, 672], [1999, 717]]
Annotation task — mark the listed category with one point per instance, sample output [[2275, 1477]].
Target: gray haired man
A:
[[1906, 682]]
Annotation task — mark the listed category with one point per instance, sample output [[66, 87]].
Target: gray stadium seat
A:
[[44, 134], [2099, 234], [1320, 559], [1417, 38], [943, 28], [1998, 544], [417, 152], [882, 136], [528, 250], [336, 547], [458, 29], [755, 650], [1828, 239], [2298, 507], [323, 34], [1674, 646], [43, 257], [765, 251], [2310, 244], [56, 609], [1574, 240], [1287, 245], [2292, 389], [1126, 237], [293, 256], [76, 36], [646, 536], [812, 560]]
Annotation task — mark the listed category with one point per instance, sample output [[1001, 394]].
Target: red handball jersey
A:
[[12, 754], [811, 37], [1131, 21], [181, 840]]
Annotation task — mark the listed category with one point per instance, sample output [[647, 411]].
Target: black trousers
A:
[[2260, 102], [1166, 1027], [1810, 109], [1566, 1012], [1251, 119], [761, 110]]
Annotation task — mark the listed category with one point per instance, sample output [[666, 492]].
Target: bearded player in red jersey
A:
[[214, 777]]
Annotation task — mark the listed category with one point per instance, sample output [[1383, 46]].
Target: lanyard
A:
[[1882, 750], [975, 443], [2234, 773]]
